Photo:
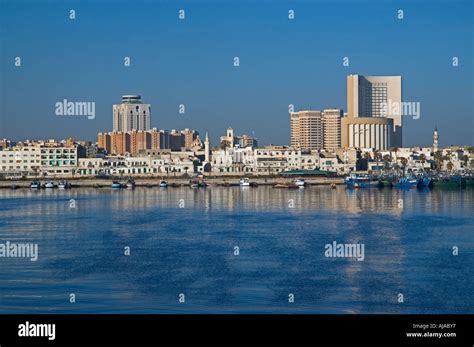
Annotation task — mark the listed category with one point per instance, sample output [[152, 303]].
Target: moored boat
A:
[[454, 181], [244, 182], [64, 185], [385, 182], [469, 181], [130, 184], [35, 185], [163, 184], [406, 182], [116, 185], [425, 182], [300, 182], [354, 181], [49, 185]]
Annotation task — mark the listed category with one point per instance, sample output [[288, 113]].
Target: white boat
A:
[[35, 185], [63, 185], [194, 184], [130, 184], [300, 182], [244, 182], [116, 184], [49, 184], [163, 184]]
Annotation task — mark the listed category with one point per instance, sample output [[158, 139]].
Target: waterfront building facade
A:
[[44, 158], [51, 159]]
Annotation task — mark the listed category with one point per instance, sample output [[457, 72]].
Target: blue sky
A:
[[190, 62]]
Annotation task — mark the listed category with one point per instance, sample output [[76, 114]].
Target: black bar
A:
[[230, 329]]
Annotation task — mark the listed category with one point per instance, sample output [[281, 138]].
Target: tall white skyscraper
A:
[[131, 114], [367, 95]]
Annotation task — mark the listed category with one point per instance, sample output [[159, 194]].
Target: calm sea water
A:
[[408, 237]]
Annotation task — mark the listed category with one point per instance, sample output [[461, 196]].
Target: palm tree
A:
[[377, 157], [404, 162], [386, 160], [438, 157], [450, 166], [224, 144]]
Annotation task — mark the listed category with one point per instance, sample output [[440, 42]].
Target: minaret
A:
[[435, 140], [206, 149]]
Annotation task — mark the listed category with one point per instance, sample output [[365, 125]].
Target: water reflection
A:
[[182, 240], [243, 198]]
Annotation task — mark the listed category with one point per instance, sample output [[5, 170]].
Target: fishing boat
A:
[[469, 180], [406, 182], [163, 184], [244, 182], [49, 185], [300, 183], [64, 185], [425, 182], [360, 181], [116, 185], [35, 185], [130, 184], [385, 181], [194, 184], [454, 181]]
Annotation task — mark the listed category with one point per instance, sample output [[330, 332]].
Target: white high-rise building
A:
[[367, 95], [372, 121], [131, 114]]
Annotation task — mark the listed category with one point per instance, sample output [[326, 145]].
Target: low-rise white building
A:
[[31, 159]]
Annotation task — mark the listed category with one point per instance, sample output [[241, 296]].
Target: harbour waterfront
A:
[[183, 240], [179, 181]]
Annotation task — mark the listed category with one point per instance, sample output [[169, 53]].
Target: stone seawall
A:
[[217, 181]]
